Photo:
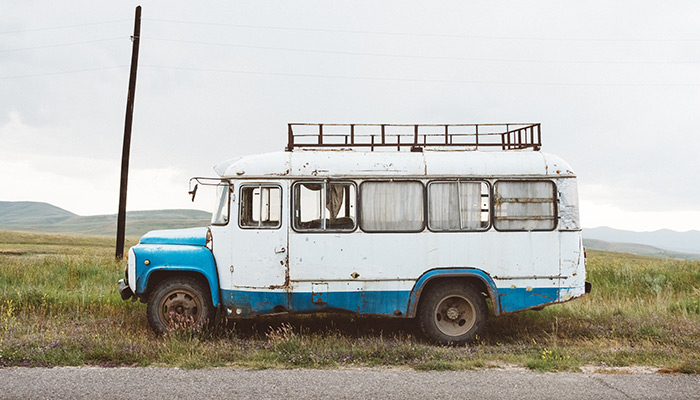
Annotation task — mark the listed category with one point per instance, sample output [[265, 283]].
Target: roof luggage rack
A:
[[511, 136]]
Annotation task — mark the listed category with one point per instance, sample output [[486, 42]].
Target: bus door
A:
[[259, 241]]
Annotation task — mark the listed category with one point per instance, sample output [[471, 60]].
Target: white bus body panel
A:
[[348, 270], [338, 164]]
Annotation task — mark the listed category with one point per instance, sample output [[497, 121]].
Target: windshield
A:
[[221, 209]]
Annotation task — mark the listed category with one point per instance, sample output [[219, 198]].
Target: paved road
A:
[[169, 383]]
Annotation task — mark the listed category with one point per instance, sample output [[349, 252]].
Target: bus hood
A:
[[189, 236]]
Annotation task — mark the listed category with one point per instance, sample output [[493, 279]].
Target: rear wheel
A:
[[452, 312], [179, 302]]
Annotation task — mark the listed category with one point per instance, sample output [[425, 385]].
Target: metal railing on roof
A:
[[414, 137]]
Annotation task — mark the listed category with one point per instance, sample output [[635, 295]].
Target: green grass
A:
[[59, 306]]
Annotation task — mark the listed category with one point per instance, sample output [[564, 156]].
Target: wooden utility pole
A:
[[121, 217]]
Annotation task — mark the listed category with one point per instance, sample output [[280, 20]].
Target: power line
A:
[[62, 44], [395, 79], [369, 78], [50, 28], [418, 34], [412, 56], [351, 53], [62, 72]]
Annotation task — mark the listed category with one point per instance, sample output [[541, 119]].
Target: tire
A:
[[181, 301], [452, 313]]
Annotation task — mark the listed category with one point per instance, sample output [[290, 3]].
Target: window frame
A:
[[424, 212], [489, 206], [293, 206], [259, 185], [555, 205]]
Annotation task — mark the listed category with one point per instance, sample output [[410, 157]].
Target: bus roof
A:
[[396, 164]]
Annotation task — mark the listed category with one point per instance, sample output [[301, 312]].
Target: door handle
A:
[[280, 249]]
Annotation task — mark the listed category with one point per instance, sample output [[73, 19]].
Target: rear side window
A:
[[524, 206], [392, 206], [260, 206], [458, 206], [324, 206]]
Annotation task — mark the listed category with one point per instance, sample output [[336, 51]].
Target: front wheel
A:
[[452, 313], [179, 302]]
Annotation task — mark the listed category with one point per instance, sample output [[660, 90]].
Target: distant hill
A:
[[682, 242], [639, 249], [31, 213], [28, 216], [45, 218]]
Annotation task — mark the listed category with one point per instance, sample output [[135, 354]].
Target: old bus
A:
[[441, 223]]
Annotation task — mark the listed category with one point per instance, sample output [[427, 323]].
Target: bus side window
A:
[[395, 206], [324, 206], [524, 206], [260, 206], [458, 206]]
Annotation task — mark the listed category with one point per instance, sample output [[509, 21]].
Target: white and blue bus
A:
[[441, 223]]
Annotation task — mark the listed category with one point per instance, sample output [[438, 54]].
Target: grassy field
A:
[[59, 306]]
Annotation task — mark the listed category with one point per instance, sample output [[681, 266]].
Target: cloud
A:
[[616, 92], [595, 215]]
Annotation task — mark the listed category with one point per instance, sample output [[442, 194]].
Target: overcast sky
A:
[[615, 84]]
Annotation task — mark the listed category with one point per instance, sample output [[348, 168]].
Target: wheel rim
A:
[[180, 306], [454, 315]]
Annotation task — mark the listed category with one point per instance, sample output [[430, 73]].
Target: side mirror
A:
[[193, 192]]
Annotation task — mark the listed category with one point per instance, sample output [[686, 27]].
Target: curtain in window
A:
[[455, 206], [334, 198], [392, 206], [443, 209], [470, 194]]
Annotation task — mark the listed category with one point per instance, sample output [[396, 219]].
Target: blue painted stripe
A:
[[521, 298], [366, 302], [361, 302]]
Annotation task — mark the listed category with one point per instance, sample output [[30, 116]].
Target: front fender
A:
[[452, 273], [185, 258]]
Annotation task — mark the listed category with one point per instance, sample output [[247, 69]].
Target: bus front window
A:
[[221, 210]]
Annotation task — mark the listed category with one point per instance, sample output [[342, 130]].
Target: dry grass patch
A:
[[59, 306]]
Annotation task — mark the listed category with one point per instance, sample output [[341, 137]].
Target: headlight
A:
[[210, 241]]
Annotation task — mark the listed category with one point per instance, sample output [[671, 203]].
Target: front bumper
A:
[[125, 290]]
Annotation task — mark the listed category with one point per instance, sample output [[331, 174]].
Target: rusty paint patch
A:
[[285, 285], [317, 298]]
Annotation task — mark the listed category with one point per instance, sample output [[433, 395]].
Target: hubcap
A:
[[455, 315], [452, 313], [180, 306]]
